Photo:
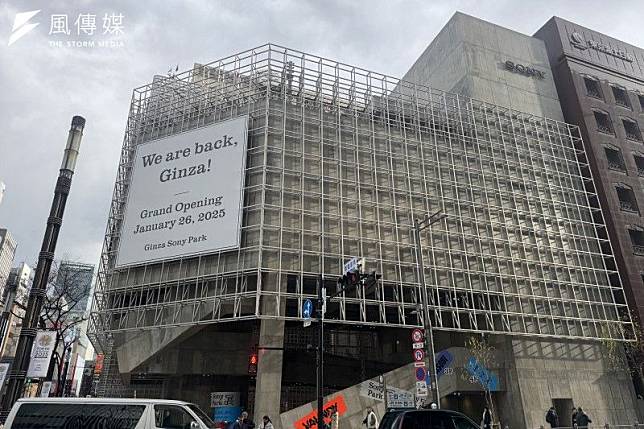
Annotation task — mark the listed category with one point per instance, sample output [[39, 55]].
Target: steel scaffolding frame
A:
[[340, 161]]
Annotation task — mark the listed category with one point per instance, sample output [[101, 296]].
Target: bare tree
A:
[[66, 290], [484, 353], [624, 356]]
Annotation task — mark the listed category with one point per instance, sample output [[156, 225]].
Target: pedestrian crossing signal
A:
[[252, 364]]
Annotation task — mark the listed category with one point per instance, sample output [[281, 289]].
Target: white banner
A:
[[4, 369], [224, 399], [185, 195], [396, 398], [41, 353]]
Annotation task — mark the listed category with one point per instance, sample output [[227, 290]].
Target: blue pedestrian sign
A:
[[307, 312]]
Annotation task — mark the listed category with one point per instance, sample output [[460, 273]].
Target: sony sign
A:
[[578, 41], [525, 70]]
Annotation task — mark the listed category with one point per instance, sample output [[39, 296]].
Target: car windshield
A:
[[388, 419], [202, 416], [78, 415], [463, 423]]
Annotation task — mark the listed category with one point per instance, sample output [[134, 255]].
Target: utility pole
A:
[[29, 329], [420, 225]]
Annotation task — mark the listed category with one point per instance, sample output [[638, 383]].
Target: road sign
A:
[[307, 311], [353, 265], [420, 374], [421, 389], [417, 335], [419, 355], [418, 346], [419, 364]]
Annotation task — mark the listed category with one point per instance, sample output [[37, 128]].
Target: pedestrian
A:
[[574, 416], [246, 422], [552, 418], [266, 423], [486, 420], [335, 420], [237, 424], [582, 418], [371, 420]]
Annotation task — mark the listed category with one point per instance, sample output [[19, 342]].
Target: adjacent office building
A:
[[600, 81], [7, 252], [77, 279], [15, 297], [339, 161]]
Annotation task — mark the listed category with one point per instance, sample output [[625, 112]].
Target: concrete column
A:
[[269, 371], [270, 353]]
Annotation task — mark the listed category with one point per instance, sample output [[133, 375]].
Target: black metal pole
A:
[[20, 365], [320, 355]]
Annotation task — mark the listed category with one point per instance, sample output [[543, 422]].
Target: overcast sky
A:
[[43, 86]]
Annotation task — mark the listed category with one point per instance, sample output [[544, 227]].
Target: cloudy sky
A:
[[43, 85]]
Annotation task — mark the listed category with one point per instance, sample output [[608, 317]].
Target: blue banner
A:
[[443, 360], [225, 414], [487, 378]]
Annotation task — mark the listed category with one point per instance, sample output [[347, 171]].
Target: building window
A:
[[603, 122], [615, 159], [632, 130], [626, 196], [637, 239], [621, 96], [592, 87], [639, 163], [640, 97]]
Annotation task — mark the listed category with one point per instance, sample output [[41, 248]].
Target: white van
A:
[[106, 413]]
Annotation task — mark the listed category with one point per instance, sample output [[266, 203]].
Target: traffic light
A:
[[252, 364], [353, 278], [371, 281]]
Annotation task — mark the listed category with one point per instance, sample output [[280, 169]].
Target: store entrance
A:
[[563, 407]]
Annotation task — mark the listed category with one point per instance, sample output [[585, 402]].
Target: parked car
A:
[[426, 419], [106, 413]]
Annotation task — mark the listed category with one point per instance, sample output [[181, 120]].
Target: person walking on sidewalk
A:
[[582, 419], [266, 423], [371, 420]]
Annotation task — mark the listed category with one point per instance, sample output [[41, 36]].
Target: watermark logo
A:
[[85, 30], [21, 26]]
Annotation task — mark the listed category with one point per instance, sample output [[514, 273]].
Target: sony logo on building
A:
[[578, 41], [528, 71]]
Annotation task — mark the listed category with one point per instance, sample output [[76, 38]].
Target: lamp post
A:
[[420, 225], [29, 329]]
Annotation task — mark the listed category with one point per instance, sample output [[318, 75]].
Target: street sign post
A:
[[307, 311], [419, 355], [418, 352], [417, 336]]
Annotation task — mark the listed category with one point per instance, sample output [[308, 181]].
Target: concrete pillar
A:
[[270, 353], [269, 371]]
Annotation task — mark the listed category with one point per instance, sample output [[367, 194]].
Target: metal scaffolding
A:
[[340, 161]]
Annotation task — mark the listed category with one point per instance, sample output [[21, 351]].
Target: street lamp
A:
[[420, 225], [37, 293]]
